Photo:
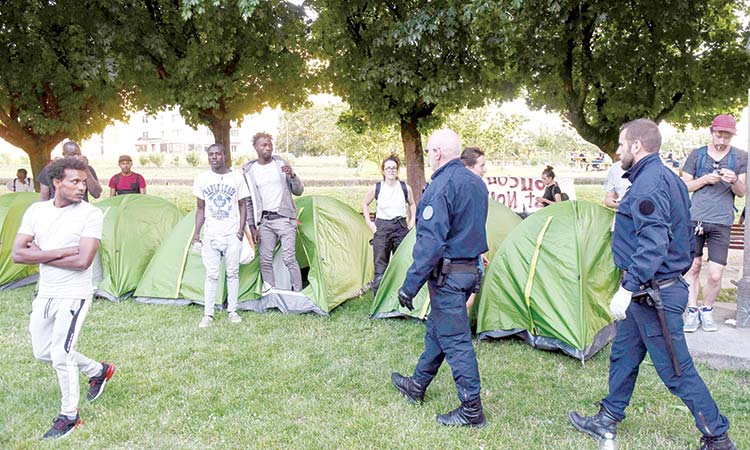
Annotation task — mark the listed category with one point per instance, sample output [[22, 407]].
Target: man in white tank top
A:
[[392, 220]]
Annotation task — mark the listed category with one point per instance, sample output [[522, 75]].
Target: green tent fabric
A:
[[332, 250], [175, 274], [335, 256], [134, 228], [12, 208], [551, 281], [500, 221]]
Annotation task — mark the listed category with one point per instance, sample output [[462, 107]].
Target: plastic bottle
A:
[[607, 442]]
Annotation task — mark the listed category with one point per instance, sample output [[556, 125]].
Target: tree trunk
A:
[[39, 156], [412, 141], [220, 129]]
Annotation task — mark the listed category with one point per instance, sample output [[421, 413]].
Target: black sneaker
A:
[[62, 426], [97, 383]]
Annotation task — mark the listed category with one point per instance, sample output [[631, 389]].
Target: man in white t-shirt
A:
[[615, 186], [62, 235], [221, 196], [272, 214]]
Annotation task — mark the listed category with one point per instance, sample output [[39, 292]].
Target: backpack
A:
[[403, 188], [564, 196], [700, 164], [134, 187]]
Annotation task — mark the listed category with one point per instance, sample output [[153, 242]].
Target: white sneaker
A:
[[707, 319], [692, 321], [234, 317], [205, 322]]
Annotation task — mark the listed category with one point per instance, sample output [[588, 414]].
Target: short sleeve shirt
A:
[[55, 228], [615, 182], [221, 192], [714, 203], [127, 182]]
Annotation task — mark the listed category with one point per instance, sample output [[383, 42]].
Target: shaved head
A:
[[443, 146], [447, 140]]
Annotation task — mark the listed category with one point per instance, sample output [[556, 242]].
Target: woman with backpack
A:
[[394, 215], [552, 193]]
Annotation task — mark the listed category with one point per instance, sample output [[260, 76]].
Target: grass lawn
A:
[[277, 381]]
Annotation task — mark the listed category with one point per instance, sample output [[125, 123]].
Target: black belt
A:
[[395, 219], [463, 265], [270, 215], [663, 284], [641, 296]]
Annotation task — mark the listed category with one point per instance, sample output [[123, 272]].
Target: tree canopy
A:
[[58, 78], [603, 63], [217, 61], [405, 64]]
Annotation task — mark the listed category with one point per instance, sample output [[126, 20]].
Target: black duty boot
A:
[[469, 414], [597, 425], [407, 386], [720, 442]]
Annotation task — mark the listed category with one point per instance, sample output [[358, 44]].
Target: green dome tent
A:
[[551, 281], [12, 208], [500, 221], [332, 250], [134, 228], [335, 256]]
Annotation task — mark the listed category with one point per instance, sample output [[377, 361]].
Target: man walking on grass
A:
[[221, 196], [62, 235]]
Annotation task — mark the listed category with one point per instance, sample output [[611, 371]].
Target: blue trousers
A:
[[641, 332], [448, 336]]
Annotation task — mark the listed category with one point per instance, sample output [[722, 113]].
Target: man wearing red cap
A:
[[715, 174]]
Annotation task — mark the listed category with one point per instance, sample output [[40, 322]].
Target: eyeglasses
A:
[[716, 166]]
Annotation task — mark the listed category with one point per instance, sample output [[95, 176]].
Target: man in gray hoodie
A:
[[271, 212]]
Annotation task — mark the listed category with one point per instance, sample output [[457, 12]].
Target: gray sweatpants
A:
[[214, 247], [274, 230], [55, 324]]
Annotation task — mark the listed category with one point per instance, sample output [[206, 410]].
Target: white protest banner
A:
[[520, 193]]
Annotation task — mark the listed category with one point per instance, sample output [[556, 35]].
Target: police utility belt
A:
[[447, 266], [642, 296]]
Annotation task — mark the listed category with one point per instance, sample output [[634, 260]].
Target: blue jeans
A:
[[641, 332], [448, 336]]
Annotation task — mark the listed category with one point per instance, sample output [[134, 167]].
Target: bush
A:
[[193, 159], [157, 159], [176, 161], [144, 160]]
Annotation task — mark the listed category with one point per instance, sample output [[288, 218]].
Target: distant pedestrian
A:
[[21, 183], [552, 193], [62, 236], [221, 195], [394, 216], [126, 182]]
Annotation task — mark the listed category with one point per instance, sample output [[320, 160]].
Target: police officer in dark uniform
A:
[[653, 244], [451, 237]]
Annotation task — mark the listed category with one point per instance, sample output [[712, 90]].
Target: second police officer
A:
[[653, 244], [451, 237]]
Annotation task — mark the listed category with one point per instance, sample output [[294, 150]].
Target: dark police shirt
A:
[[451, 221], [653, 238]]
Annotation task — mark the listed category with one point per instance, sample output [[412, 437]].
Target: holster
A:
[[446, 266], [650, 294]]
